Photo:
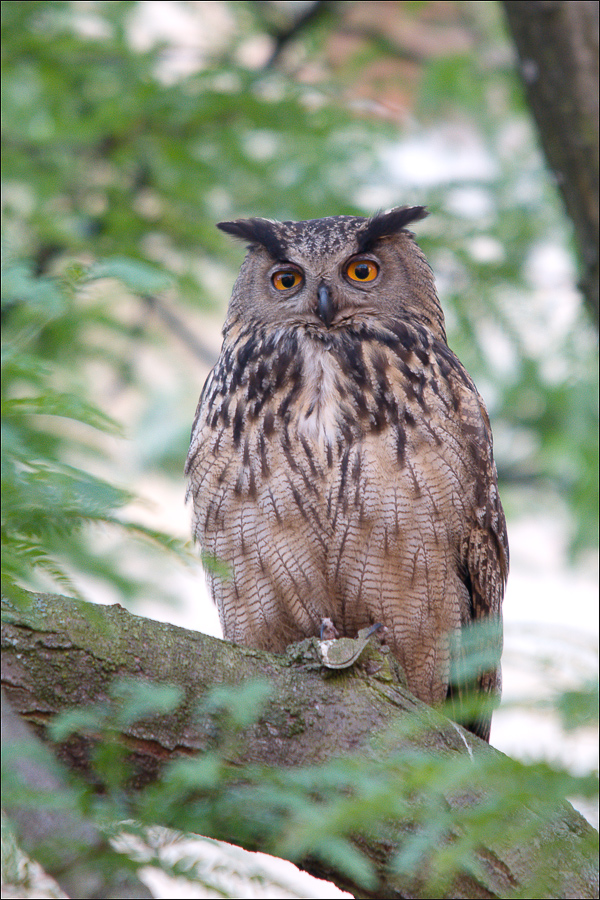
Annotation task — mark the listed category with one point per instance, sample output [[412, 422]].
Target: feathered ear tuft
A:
[[384, 224], [257, 231]]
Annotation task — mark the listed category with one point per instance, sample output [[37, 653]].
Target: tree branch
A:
[[62, 653], [557, 43], [65, 844], [282, 38], [179, 328]]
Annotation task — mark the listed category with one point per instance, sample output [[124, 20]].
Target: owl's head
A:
[[328, 274]]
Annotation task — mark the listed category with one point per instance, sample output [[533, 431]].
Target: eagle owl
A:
[[341, 458]]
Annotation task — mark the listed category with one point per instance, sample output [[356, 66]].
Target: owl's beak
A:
[[325, 308]]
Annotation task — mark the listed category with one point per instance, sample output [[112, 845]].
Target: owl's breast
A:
[[300, 427], [319, 411], [397, 418]]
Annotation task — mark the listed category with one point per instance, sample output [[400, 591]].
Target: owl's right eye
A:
[[286, 279]]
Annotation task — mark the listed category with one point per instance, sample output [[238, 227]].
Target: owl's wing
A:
[[484, 571]]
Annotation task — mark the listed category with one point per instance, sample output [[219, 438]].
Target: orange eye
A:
[[286, 279], [362, 270]]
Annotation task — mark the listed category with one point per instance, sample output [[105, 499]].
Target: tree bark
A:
[[62, 653], [557, 44], [65, 844]]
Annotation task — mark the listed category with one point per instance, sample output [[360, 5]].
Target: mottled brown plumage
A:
[[341, 458]]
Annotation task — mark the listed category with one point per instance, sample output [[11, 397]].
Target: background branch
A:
[[557, 43], [65, 843]]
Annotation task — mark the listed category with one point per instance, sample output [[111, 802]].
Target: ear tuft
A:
[[257, 231], [386, 223]]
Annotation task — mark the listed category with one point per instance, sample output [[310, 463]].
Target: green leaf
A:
[[143, 700], [139, 276], [66, 405], [242, 703]]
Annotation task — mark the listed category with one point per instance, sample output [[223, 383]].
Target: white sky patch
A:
[[550, 264], [471, 201], [192, 33], [439, 156], [486, 249], [500, 350]]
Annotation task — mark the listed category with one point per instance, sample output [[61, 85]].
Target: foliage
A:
[[445, 807], [109, 173], [47, 424], [114, 160]]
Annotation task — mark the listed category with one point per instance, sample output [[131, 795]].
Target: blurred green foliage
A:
[[49, 430], [114, 167], [111, 174], [446, 808]]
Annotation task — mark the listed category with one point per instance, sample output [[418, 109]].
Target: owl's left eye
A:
[[286, 279], [362, 270]]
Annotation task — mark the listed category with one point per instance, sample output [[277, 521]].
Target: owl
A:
[[341, 460]]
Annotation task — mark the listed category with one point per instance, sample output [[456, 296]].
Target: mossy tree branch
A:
[[60, 654]]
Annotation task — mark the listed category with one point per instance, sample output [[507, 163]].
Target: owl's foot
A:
[[380, 631], [328, 631], [376, 628]]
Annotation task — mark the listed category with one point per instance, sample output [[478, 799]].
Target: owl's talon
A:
[[328, 631], [379, 630], [372, 668]]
